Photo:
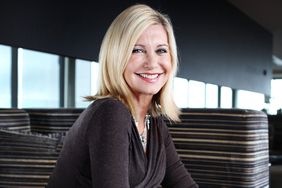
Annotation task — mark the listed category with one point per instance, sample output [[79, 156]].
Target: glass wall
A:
[[276, 96], [94, 77], [5, 76], [225, 97], [38, 84], [40, 78], [211, 96], [180, 92], [82, 82], [202, 95], [196, 96], [250, 100]]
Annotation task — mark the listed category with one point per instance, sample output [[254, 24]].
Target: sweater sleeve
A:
[[176, 175], [108, 144]]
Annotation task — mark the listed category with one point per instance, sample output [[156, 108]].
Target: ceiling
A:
[[267, 13]]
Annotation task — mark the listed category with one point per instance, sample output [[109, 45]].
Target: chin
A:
[[149, 91], [153, 92]]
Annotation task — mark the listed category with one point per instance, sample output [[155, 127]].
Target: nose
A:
[[151, 60]]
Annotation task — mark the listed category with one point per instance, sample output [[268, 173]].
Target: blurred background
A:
[[230, 52]]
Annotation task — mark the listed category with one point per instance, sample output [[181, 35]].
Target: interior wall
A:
[[217, 43], [221, 45]]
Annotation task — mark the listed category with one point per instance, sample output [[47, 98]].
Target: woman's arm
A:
[[177, 175], [109, 144]]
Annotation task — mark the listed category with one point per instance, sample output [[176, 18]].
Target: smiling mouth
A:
[[148, 76]]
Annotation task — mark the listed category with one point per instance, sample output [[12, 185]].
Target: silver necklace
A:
[[144, 135], [143, 138]]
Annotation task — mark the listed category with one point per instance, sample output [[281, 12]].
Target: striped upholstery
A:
[[14, 119], [224, 147], [52, 120], [220, 147], [26, 159]]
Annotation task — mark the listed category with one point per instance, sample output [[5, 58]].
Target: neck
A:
[[141, 106]]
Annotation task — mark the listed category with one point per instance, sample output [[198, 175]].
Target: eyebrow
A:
[[160, 45]]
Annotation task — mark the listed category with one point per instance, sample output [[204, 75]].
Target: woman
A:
[[121, 140]]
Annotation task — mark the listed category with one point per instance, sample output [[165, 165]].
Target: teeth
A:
[[150, 76]]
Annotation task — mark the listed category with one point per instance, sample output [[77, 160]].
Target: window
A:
[[39, 85], [5, 76], [82, 82], [94, 77], [38, 79], [196, 96], [180, 92], [250, 100], [225, 97], [276, 96], [211, 96]]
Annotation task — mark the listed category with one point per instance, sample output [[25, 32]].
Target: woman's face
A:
[[149, 66]]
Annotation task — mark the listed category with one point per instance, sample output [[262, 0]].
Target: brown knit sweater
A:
[[103, 150]]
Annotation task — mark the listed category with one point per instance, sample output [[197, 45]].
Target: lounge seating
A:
[[48, 121], [14, 119], [224, 147], [220, 147], [26, 160], [30, 142]]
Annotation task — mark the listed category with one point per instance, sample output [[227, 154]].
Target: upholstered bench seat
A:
[[220, 147], [223, 147], [14, 119], [26, 159], [30, 143], [53, 120]]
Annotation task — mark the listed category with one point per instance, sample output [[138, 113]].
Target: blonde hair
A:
[[116, 50]]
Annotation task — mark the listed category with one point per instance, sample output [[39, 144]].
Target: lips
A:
[[149, 76]]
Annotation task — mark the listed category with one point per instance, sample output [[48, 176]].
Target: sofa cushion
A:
[[223, 147], [14, 119], [56, 120], [26, 159]]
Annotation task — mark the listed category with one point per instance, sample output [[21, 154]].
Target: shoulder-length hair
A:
[[116, 50]]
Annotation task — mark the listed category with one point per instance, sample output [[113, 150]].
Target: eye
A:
[[161, 51], [138, 50]]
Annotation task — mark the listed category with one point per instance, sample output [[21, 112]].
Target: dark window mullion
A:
[[14, 78], [62, 81], [71, 83], [219, 97]]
